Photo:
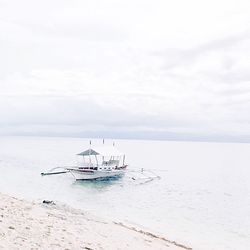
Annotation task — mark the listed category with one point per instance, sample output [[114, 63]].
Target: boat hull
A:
[[95, 174]]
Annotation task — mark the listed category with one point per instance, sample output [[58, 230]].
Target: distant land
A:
[[140, 135]]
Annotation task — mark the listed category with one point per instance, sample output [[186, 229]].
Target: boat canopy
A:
[[104, 151]]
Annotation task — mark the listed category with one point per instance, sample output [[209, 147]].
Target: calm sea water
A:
[[202, 199]]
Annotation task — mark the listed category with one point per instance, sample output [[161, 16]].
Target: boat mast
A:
[[89, 151], [96, 160], [123, 160], [103, 155]]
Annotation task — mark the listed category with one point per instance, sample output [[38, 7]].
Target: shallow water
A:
[[202, 199]]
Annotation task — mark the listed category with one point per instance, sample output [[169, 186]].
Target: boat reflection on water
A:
[[100, 183]]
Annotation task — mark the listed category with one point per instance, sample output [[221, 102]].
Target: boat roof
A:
[[104, 150]]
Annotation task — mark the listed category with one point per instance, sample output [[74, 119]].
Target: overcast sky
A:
[[135, 68]]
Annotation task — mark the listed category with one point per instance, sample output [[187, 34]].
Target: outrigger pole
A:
[[64, 171], [60, 172]]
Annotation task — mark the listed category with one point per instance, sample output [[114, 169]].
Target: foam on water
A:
[[202, 199]]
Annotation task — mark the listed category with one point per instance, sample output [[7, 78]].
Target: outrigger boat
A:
[[101, 163], [96, 163]]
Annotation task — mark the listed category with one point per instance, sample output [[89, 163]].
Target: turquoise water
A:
[[202, 199]]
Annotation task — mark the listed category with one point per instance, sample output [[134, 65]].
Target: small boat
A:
[[99, 162], [103, 162]]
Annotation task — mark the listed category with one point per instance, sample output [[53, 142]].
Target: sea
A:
[[201, 198]]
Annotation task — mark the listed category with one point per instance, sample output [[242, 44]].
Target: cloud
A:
[[128, 67]]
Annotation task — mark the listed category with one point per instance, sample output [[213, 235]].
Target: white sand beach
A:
[[30, 225]]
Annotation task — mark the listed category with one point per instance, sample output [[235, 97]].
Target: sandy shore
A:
[[29, 225]]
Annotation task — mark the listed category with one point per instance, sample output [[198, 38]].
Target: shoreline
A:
[[31, 225]]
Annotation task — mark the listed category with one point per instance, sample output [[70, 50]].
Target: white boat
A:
[[99, 162], [103, 162]]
